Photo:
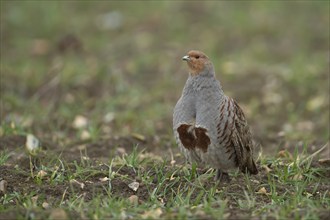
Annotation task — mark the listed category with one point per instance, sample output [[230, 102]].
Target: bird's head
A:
[[198, 63]]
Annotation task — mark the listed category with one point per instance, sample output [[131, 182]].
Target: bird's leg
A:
[[222, 176]]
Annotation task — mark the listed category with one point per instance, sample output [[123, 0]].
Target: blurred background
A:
[[95, 69]]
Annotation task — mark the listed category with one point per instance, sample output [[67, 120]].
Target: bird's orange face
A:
[[197, 61]]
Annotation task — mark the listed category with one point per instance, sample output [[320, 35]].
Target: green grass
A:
[[3, 157], [271, 56], [174, 191]]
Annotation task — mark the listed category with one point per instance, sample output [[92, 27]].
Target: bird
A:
[[210, 128]]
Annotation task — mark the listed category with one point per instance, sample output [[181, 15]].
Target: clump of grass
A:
[[4, 155]]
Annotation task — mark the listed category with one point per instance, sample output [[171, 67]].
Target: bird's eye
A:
[[197, 57]]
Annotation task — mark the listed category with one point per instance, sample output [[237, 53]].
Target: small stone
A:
[[80, 122], [32, 143], [298, 177], [82, 147], [34, 199], [255, 181], [152, 214], [200, 213], [134, 186], [133, 199], [40, 47], [109, 117], [85, 158], [281, 134], [109, 21], [121, 151], [85, 135], [3, 186], [58, 214], [45, 205]]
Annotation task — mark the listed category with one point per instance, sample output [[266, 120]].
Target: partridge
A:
[[209, 127]]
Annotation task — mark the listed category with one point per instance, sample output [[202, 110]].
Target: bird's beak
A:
[[186, 58]]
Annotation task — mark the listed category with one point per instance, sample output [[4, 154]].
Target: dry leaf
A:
[[160, 199], [266, 168], [81, 185], [324, 161], [134, 186], [172, 177], [139, 137], [41, 174], [263, 191], [104, 179], [308, 195], [255, 181], [281, 153], [284, 154], [218, 190]]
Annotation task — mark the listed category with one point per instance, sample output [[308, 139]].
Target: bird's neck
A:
[[202, 82]]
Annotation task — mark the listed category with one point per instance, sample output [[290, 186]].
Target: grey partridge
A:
[[210, 127]]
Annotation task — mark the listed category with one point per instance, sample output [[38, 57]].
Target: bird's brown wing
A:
[[242, 141]]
